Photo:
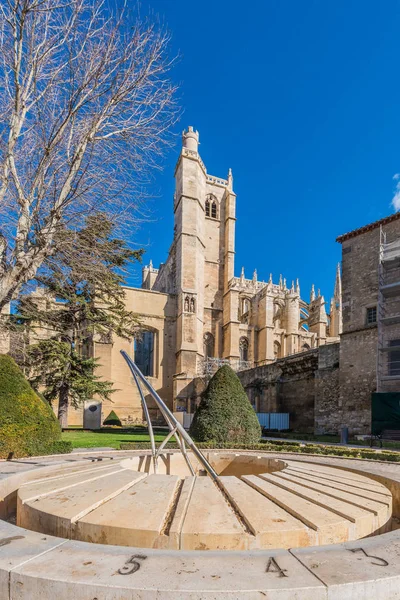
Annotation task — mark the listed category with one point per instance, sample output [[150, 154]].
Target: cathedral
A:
[[196, 314]]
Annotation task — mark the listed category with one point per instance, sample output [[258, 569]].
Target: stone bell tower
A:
[[189, 207]]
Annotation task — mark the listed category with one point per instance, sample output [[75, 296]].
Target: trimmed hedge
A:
[[112, 419], [58, 447], [291, 447], [28, 425], [225, 413]]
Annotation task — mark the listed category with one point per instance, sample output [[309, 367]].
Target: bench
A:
[[390, 435]]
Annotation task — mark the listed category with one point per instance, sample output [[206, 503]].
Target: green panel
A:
[[385, 411]]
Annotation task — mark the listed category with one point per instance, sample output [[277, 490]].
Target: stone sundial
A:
[[184, 525]]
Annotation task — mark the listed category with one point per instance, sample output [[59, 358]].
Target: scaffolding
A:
[[388, 315]]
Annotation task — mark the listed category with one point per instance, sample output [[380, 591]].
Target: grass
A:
[[109, 437]]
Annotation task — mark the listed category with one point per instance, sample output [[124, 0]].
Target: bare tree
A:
[[85, 108]]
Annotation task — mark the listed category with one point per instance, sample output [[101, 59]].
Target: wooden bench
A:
[[392, 435]]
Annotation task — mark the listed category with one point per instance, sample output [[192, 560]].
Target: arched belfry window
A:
[[211, 207], [144, 348], [208, 345], [192, 305], [186, 305], [244, 312], [244, 349]]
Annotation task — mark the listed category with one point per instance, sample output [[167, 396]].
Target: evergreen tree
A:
[[80, 299]]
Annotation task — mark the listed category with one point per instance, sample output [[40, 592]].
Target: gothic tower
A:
[[204, 237], [335, 328], [317, 319]]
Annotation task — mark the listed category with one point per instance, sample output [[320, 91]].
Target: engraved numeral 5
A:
[[132, 565]]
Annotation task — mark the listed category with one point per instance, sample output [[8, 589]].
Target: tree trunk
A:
[[63, 399]]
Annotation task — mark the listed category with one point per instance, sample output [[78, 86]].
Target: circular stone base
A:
[[257, 503]]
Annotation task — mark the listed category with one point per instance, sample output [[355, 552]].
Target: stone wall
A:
[[305, 385], [358, 342], [327, 411]]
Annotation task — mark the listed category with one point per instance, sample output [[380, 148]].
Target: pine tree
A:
[[80, 299]]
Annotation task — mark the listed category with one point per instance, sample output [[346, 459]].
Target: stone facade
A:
[[305, 385], [196, 314], [359, 339], [219, 317]]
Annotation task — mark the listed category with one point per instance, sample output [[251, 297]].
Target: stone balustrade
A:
[[217, 180]]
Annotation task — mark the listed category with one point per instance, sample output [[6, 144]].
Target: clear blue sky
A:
[[302, 101]]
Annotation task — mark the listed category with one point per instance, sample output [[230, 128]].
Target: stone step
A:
[[136, 517], [173, 537], [38, 489], [271, 525], [366, 520], [55, 512], [210, 522], [337, 474], [330, 527], [351, 490]]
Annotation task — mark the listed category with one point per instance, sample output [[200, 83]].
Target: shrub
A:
[[225, 413], [28, 425], [58, 447], [112, 419]]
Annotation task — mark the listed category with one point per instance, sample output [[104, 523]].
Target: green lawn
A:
[[110, 438]]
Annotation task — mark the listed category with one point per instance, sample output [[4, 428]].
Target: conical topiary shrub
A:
[[28, 425], [112, 419], [225, 413]]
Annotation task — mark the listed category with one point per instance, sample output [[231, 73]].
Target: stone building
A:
[[331, 387], [368, 286], [196, 313]]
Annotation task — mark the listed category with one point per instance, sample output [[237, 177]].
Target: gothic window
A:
[[192, 305], [394, 358], [244, 349], [208, 345], [186, 307], [305, 347], [244, 310], [211, 207], [371, 315], [144, 352], [277, 350]]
